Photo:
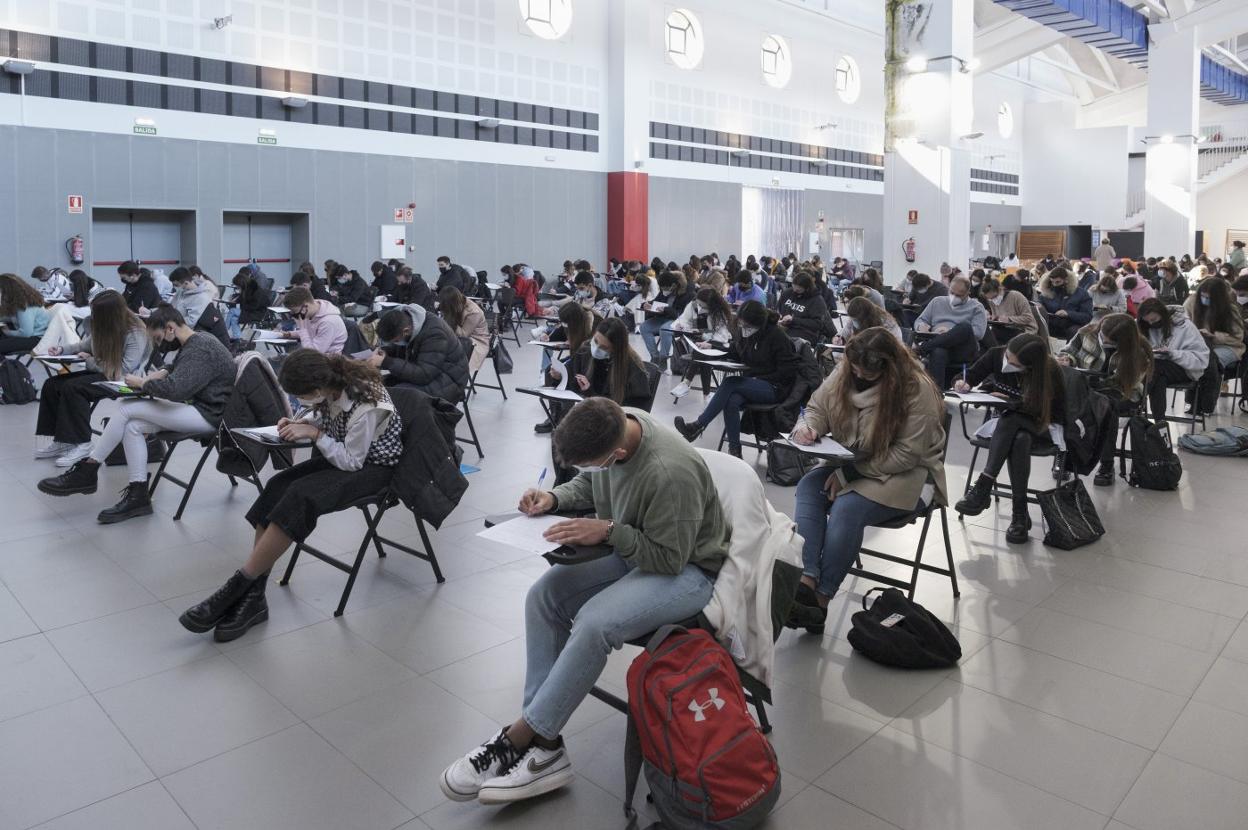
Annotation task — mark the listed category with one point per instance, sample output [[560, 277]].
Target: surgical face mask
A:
[[594, 468], [1204, 299], [598, 352], [997, 299], [1242, 299], [583, 294], [700, 308], [308, 403], [344, 280], [748, 331], [1009, 368], [957, 301]]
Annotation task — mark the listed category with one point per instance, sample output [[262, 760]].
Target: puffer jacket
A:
[[257, 401], [427, 478], [432, 360], [1077, 304]]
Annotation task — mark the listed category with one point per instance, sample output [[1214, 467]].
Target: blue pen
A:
[[541, 478], [964, 373]]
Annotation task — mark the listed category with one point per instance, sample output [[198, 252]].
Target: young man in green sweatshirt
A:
[[657, 507]]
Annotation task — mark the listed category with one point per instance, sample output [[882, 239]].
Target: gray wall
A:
[[688, 216], [1003, 218], [479, 214]]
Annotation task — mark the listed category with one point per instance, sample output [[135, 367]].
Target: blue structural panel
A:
[[1121, 31]]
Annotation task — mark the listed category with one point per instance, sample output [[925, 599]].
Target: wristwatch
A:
[[610, 528]]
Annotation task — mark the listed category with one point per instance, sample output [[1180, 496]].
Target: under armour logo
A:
[[699, 709]]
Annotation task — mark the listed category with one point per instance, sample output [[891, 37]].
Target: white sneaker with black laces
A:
[[462, 780], [680, 390], [537, 772], [74, 454], [53, 450]]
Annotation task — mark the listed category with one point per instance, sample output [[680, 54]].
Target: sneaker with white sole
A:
[[74, 454], [54, 450], [462, 780], [537, 772], [680, 390]]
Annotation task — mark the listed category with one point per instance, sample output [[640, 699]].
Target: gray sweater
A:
[[134, 353], [202, 375]]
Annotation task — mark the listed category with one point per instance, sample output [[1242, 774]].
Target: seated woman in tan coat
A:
[[880, 403], [1008, 307], [467, 320]]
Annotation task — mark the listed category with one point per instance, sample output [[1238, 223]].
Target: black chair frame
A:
[[998, 492], [1195, 417], [175, 438], [474, 384], [380, 503], [472, 440]]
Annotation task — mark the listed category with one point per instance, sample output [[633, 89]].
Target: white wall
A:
[[1221, 208], [1073, 177]]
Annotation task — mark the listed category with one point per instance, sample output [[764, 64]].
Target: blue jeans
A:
[[1225, 356], [730, 398], [575, 615], [832, 534], [231, 322], [656, 333]]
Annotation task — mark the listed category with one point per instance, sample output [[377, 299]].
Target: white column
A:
[[926, 167], [626, 128], [1173, 123]]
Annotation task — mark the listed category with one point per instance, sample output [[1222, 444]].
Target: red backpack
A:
[[706, 762]]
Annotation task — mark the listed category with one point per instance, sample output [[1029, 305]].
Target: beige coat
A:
[[1233, 339], [1015, 311], [897, 477], [475, 329]]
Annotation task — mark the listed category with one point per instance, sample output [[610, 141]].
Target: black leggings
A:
[[1166, 373], [1012, 442], [65, 406]]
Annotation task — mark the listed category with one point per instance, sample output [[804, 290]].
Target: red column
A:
[[628, 216]]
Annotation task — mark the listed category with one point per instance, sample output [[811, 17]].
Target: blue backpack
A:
[[1230, 441]]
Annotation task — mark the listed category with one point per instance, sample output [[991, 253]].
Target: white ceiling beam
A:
[[1213, 21], [1103, 61], [1010, 41], [1068, 66], [1128, 108]]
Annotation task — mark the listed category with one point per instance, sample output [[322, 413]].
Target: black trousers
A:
[[1166, 373], [65, 406], [1062, 327], [956, 346], [12, 344], [1015, 438], [296, 498]]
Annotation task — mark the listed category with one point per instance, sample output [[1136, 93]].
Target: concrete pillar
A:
[[627, 133], [927, 111], [1173, 124]]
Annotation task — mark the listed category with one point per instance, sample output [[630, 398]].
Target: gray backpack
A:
[[1229, 441]]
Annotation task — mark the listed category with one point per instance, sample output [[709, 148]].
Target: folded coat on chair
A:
[[741, 608]]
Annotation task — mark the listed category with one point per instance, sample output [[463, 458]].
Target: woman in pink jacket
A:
[[1137, 290]]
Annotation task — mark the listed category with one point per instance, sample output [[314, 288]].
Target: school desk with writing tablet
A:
[[547, 395], [116, 389], [825, 447], [974, 398], [59, 359], [268, 437], [556, 555]]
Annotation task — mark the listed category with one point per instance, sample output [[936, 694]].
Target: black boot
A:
[[204, 616], [978, 499], [690, 431], [544, 427], [248, 611], [1104, 476], [80, 478], [1020, 523], [134, 502], [734, 450]]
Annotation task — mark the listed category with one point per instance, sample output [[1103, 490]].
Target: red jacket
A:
[[526, 292]]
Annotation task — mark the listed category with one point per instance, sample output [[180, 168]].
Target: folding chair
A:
[[917, 564], [472, 440], [504, 317], [998, 492], [208, 441], [1193, 418], [496, 341], [380, 502]]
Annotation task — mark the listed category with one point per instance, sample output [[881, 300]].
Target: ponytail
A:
[[306, 370]]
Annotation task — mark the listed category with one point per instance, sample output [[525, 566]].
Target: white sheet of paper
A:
[[705, 351], [80, 313], [658, 307], [493, 286], [364, 355], [549, 344], [824, 446], [723, 364], [524, 533], [978, 397], [558, 394], [59, 358], [271, 337], [279, 309], [559, 369]]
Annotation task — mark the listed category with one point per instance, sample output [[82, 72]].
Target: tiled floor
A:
[[1101, 688]]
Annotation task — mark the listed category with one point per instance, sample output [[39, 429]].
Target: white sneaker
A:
[[462, 780], [76, 453], [680, 390], [537, 772], [54, 450]]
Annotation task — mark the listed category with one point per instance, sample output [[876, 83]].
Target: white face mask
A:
[[997, 299], [700, 307], [594, 468], [308, 403], [598, 352], [957, 302], [1009, 368], [748, 331], [1242, 299]]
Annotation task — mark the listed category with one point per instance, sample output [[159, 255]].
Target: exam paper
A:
[[524, 533], [824, 446]]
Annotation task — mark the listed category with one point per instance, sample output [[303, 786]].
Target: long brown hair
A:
[[453, 306], [578, 324], [1041, 376], [306, 370], [865, 314], [623, 358], [17, 295], [1215, 317], [112, 321], [901, 377], [1133, 360]]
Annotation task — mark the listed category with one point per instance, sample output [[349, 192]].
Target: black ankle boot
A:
[[1020, 523], [689, 431], [80, 478], [1104, 477], [134, 502], [978, 499], [252, 609], [204, 616], [734, 450]]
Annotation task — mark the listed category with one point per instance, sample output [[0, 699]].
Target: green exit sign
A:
[[144, 129], [266, 139]]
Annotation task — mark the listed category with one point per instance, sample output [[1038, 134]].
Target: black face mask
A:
[[861, 385]]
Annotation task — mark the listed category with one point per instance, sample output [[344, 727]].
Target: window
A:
[[1005, 120], [683, 36], [549, 19], [777, 62], [848, 81]]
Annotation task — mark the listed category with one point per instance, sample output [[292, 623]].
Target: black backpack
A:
[[1154, 464], [786, 466], [899, 632], [16, 385]]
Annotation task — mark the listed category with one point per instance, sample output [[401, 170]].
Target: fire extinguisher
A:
[[907, 248], [74, 246]]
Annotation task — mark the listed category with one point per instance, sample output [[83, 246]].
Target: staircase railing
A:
[[1219, 152]]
